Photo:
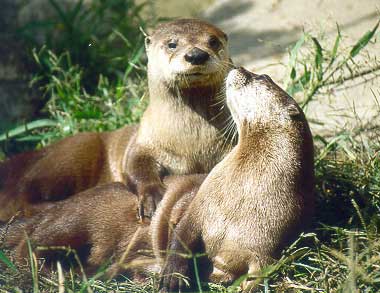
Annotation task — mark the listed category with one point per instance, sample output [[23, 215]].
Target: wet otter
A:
[[181, 132], [259, 196]]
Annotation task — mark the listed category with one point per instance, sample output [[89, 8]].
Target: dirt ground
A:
[[261, 32]]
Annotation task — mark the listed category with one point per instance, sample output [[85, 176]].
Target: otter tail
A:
[[160, 226], [171, 210]]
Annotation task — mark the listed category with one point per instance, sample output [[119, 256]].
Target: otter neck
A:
[[264, 138], [206, 101]]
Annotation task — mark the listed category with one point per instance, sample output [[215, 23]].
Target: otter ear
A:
[[293, 110], [225, 36], [147, 42]]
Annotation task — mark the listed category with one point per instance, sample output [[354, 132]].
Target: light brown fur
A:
[[182, 131], [259, 196], [171, 210]]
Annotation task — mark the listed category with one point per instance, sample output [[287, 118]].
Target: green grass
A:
[[90, 71], [340, 253]]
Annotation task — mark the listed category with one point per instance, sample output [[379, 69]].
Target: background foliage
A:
[[89, 66]]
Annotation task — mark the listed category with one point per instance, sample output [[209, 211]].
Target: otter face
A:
[[187, 53], [254, 97]]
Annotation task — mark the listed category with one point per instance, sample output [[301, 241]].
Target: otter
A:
[[102, 218], [62, 169], [183, 130], [257, 199]]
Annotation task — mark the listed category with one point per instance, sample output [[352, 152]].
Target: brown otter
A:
[[62, 169], [259, 196], [103, 218], [181, 132]]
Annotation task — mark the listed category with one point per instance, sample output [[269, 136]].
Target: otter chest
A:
[[183, 142], [192, 155]]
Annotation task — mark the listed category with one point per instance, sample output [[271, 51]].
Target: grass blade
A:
[[295, 49], [33, 267], [75, 11], [26, 127], [7, 262], [135, 58], [364, 40], [336, 46], [318, 58], [60, 12]]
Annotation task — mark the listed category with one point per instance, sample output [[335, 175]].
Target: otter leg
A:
[[132, 254], [143, 177], [185, 241], [100, 252], [48, 229], [256, 263]]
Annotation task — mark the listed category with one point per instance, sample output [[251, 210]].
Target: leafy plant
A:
[[329, 67]]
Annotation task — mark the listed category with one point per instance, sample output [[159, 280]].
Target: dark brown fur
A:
[[259, 197], [103, 218]]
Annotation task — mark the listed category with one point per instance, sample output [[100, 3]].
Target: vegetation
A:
[[102, 90], [95, 83]]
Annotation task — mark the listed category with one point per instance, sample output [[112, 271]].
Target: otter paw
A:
[[149, 200], [173, 282], [174, 275]]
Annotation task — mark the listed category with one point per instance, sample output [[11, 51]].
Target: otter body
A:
[[103, 218], [259, 196], [183, 129], [62, 169], [181, 132]]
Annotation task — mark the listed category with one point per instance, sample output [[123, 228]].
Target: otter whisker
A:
[[217, 115], [228, 128]]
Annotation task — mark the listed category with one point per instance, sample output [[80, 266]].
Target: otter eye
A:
[[172, 44], [214, 43]]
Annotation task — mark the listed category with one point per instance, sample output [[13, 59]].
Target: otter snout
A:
[[240, 77], [197, 56]]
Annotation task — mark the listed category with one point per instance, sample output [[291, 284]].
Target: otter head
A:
[[254, 98], [187, 53]]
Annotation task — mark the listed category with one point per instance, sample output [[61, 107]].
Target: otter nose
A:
[[197, 56]]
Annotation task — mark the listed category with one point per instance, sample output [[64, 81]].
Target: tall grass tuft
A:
[[100, 36]]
